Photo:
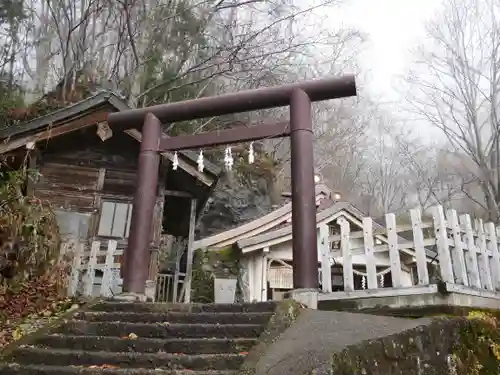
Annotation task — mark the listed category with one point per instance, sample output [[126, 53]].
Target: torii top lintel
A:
[[243, 101]]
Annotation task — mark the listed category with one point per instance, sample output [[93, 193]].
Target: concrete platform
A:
[[310, 342]]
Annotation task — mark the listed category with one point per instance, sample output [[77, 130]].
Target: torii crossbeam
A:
[[298, 96]]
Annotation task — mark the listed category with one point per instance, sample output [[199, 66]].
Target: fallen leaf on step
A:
[[243, 353], [103, 366], [132, 336], [17, 334]]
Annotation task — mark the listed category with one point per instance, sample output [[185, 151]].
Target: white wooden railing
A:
[[466, 251], [92, 278], [89, 276]]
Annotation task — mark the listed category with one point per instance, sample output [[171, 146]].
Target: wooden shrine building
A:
[[88, 171]]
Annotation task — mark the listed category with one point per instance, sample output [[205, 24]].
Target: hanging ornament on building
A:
[[201, 165], [175, 162], [251, 156], [228, 159], [363, 283]]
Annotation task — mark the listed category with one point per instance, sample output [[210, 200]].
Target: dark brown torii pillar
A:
[[298, 96]]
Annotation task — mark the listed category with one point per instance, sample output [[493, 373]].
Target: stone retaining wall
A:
[[448, 346]]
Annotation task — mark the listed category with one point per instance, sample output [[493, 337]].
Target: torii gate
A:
[[298, 96]]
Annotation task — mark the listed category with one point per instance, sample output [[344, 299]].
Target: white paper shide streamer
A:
[[175, 162], [251, 156], [228, 159], [201, 165]]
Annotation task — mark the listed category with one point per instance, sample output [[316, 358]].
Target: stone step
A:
[[110, 306], [64, 357], [176, 317], [145, 345], [165, 330], [16, 369]]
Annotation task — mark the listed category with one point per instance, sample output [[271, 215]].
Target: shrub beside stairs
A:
[[132, 338]]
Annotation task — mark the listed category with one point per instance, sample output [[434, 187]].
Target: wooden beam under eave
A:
[[181, 194], [136, 134], [55, 131]]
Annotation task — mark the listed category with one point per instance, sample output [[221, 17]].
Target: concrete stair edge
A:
[[147, 345], [16, 369], [175, 317], [173, 361]]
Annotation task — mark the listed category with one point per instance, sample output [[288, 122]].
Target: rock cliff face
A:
[[235, 202]]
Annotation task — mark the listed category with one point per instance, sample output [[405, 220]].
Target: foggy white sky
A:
[[393, 27]]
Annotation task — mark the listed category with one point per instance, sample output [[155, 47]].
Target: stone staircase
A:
[[132, 338]]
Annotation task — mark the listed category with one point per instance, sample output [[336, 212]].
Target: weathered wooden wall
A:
[[79, 172]]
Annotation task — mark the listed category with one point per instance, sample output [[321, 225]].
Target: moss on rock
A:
[[478, 351], [209, 264], [202, 282], [450, 345]]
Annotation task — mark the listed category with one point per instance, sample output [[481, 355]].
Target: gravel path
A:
[[316, 335]]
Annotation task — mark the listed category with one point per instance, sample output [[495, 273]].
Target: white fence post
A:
[[495, 260], [370, 260], [107, 278], [78, 249], [418, 239], [392, 238], [324, 247], [471, 256], [483, 261], [345, 241], [89, 279], [443, 245], [468, 253], [457, 255]]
